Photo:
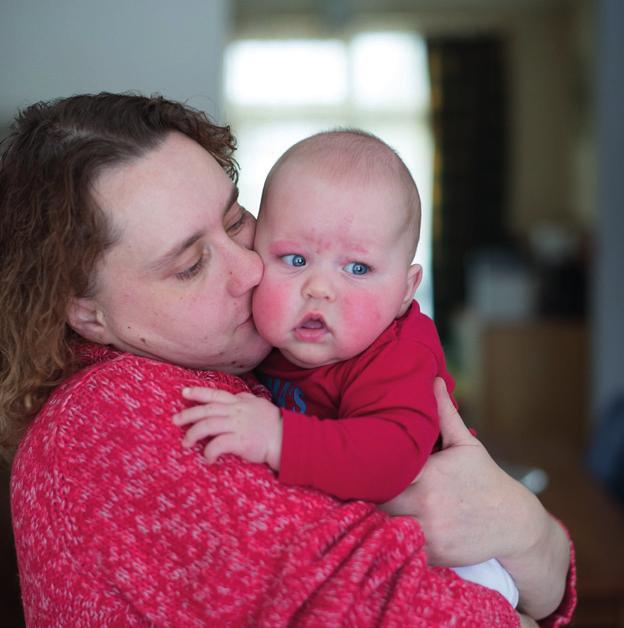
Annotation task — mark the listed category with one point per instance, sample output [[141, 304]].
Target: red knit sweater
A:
[[116, 524]]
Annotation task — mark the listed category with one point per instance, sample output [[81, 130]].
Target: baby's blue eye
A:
[[294, 259], [357, 268]]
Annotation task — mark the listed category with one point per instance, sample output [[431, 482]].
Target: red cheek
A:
[[362, 313], [269, 302]]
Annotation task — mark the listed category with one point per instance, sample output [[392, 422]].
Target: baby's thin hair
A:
[[349, 152], [342, 151]]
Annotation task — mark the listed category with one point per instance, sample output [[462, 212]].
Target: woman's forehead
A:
[[175, 182], [163, 197]]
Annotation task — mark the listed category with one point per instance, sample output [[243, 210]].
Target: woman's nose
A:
[[319, 287], [244, 271]]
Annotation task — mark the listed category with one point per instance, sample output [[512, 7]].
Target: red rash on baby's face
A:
[[311, 235]]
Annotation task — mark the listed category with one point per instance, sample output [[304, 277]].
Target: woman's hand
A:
[[461, 497], [526, 621], [471, 510]]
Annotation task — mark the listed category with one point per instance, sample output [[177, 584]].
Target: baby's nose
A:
[[319, 287]]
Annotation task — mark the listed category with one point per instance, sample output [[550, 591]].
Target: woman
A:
[[127, 275]]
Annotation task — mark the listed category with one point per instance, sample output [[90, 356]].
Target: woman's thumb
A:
[[452, 427]]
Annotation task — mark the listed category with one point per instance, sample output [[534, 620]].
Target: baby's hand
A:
[[243, 424]]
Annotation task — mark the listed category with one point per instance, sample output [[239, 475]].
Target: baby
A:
[[355, 360]]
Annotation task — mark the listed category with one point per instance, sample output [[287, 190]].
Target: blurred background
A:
[[508, 114]]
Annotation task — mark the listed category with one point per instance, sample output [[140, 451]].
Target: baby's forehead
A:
[[399, 198], [332, 239], [355, 212], [345, 157]]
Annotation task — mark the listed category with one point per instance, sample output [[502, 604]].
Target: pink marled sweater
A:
[[116, 524]]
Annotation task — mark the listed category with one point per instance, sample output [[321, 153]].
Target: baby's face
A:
[[337, 268]]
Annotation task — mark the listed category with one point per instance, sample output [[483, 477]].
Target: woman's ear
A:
[[85, 317], [414, 276]]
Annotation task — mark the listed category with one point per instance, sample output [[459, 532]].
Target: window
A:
[[279, 91]]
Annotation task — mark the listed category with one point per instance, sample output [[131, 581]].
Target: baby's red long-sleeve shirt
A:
[[362, 428]]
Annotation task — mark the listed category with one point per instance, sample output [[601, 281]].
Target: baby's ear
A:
[[85, 317], [414, 277]]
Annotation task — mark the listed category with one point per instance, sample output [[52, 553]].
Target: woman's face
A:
[[177, 284]]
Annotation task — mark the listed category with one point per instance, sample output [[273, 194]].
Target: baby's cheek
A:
[[269, 308], [363, 318]]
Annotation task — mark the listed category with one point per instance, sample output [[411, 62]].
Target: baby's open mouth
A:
[[311, 328], [313, 323]]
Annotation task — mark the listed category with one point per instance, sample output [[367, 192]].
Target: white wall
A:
[[62, 47]]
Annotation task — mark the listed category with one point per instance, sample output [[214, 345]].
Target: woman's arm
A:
[[471, 510]]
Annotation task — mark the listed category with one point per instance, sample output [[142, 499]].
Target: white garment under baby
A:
[[491, 574]]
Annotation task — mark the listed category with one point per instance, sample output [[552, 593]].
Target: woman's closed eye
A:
[[235, 227], [357, 268], [294, 259], [193, 270]]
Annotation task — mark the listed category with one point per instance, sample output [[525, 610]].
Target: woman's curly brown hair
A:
[[52, 233]]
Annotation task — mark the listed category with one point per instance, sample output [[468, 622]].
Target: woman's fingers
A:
[[452, 427], [527, 622]]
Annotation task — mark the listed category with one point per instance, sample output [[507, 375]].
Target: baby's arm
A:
[[384, 432], [385, 429], [242, 424], [369, 455], [361, 457]]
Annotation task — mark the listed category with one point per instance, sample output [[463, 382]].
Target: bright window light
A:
[[259, 147], [390, 70], [289, 72], [279, 91]]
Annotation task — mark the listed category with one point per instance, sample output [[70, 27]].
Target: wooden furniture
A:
[[527, 392], [533, 380], [595, 521]]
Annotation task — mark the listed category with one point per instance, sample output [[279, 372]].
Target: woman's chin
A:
[[250, 357]]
